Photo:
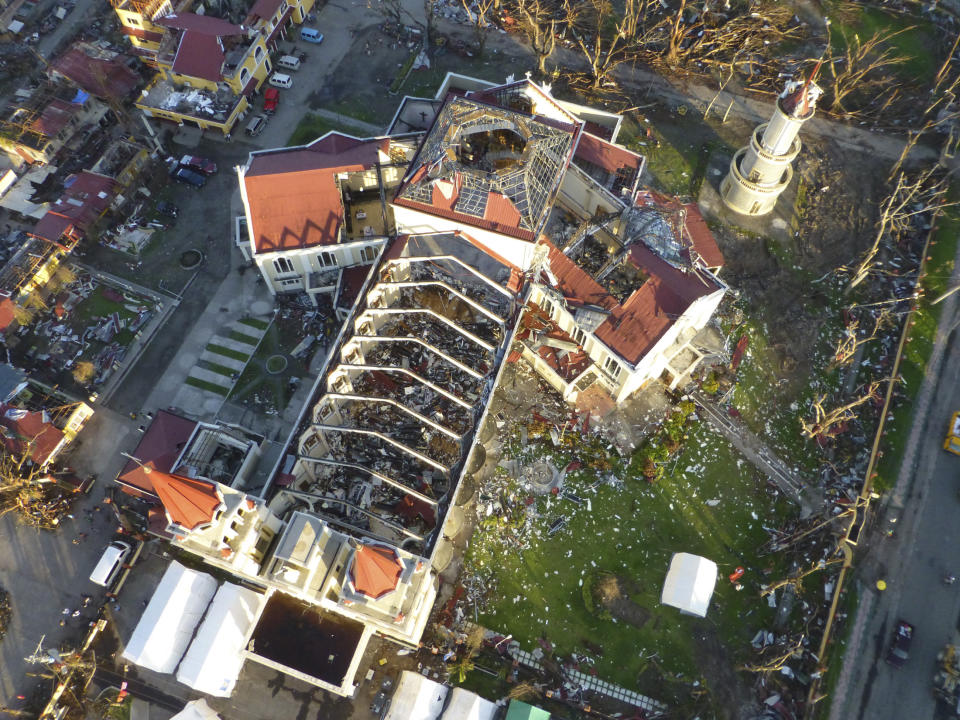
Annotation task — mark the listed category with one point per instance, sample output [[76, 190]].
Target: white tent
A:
[[196, 710], [212, 664], [166, 626], [416, 698], [689, 584], [465, 705]]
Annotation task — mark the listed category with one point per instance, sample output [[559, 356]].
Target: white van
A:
[[281, 81], [108, 567], [289, 62]]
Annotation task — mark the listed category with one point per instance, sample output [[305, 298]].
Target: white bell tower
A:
[[761, 171]]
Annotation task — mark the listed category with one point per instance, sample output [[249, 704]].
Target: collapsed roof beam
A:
[[414, 414], [373, 433], [439, 283], [380, 476], [313, 498]]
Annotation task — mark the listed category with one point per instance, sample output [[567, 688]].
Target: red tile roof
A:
[[86, 196], [576, 284], [266, 9], [159, 447], [24, 430], [632, 328], [635, 327], [606, 155], [189, 503], [199, 55], [351, 282], [54, 117], [702, 238], [376, 570], [103, 78], [292, 194], [8, 313]]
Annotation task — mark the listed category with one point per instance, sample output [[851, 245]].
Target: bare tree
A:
[[910, 196], [827, 423], [538, 19], [606, 39], [479, 12], [797, 577], [25, 487], [848, 344], [774, 657], [863, 67]]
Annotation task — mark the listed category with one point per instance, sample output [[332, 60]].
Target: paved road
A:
[[926, 505]]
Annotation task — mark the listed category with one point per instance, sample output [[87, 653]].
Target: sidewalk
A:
[[237, 296]]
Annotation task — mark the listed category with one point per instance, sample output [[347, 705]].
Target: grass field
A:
[[710, 502]]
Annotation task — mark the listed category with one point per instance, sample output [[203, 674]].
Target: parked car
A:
[[280, 80], [199, 164], [256, 124], [899, 650], [310, 35], [271, 98], [188, 176], [168, 209]]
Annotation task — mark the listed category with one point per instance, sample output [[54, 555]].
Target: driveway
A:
[[338, 21]]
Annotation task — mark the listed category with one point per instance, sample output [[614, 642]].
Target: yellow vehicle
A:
[[952, 443]]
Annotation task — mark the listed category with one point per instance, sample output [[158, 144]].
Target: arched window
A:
[[258, 53], [244, 75]]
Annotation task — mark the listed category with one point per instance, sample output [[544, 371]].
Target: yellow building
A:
[[208, 68], [137, 21]]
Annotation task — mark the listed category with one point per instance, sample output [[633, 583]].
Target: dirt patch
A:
[[731, 697], [612, 593]]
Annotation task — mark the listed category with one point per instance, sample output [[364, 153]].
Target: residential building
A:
[[315, 210], [86, 197], [38, 422], [138, 22], [208, 67], [26, 280], [122, 161], [103, 74], [39, 128], [209, 63]]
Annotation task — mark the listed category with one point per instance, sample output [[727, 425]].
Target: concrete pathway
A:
[[237, 297], [223, 360]]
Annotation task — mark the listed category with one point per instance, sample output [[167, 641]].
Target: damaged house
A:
[[506, 225]]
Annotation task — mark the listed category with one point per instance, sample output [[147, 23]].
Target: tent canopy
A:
[[521, 711], [416, 698], [689, 584], [465, 705], [213, 662], [196, 710], [166, 626]]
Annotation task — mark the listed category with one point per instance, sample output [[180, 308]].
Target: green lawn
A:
[[710, 502], [261, 389], [914, 43], [227, 352], [204, 385], [98, 305], [241, 337], [313, 126]]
